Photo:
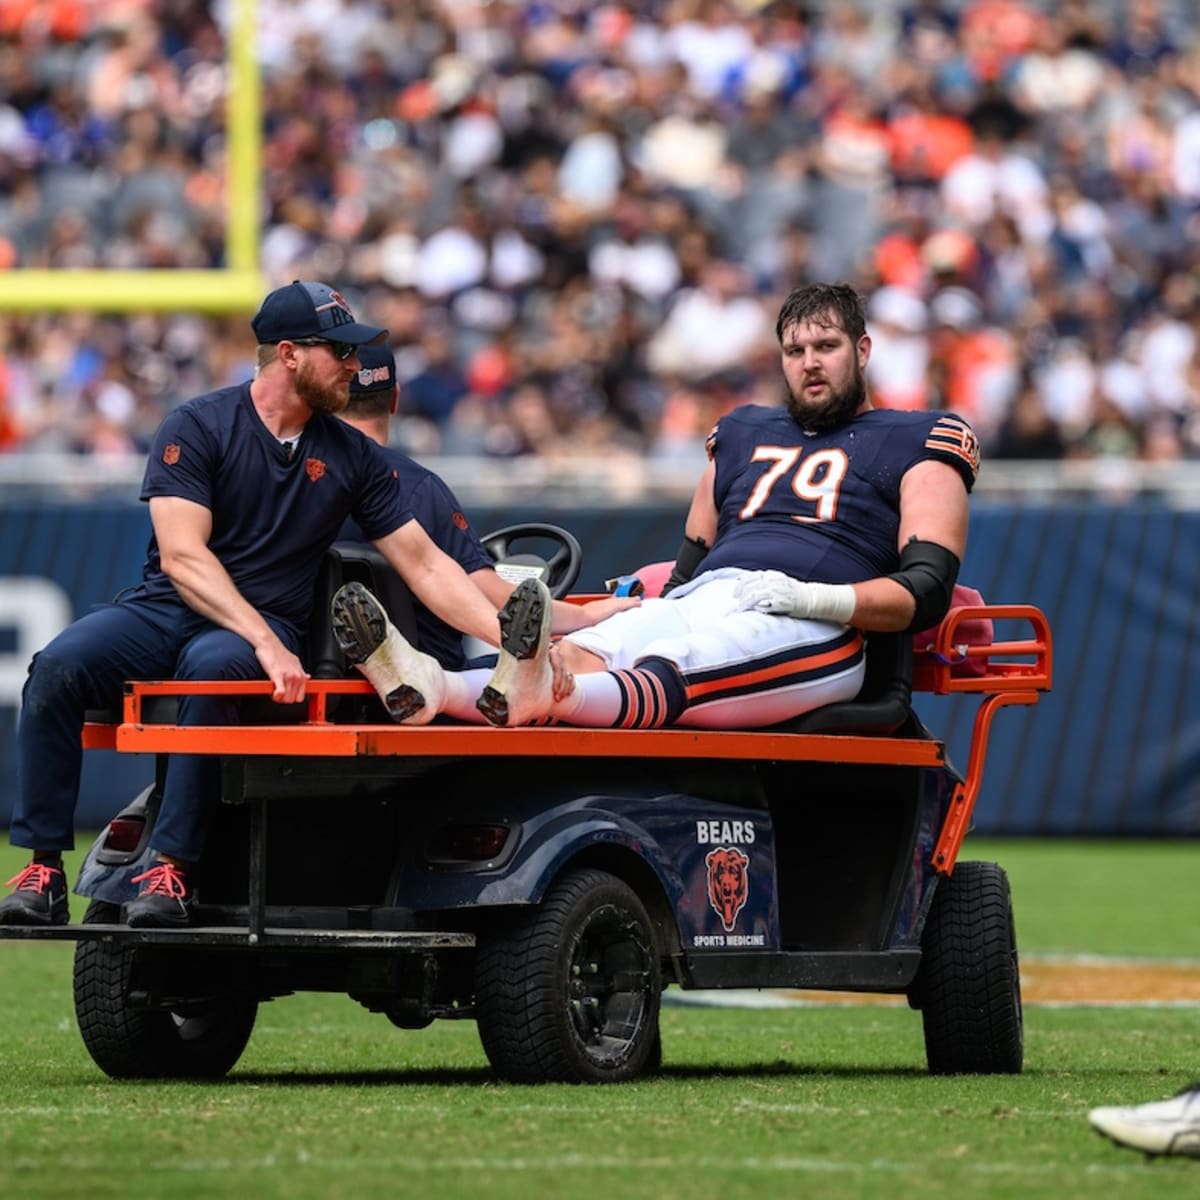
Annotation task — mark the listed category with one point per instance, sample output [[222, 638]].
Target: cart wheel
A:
[[969, 986], [570, 992], [199, 1041]]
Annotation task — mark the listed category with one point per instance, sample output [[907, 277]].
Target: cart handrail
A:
[[935, 663]]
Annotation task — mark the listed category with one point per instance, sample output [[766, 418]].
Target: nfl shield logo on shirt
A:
[[171, 453]]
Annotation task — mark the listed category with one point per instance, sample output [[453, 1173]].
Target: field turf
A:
[[329, 1101]]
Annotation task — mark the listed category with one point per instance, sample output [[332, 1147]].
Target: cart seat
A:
[[884, 702]]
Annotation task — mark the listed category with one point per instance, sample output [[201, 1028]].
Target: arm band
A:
[[691, 554], [928, 571]]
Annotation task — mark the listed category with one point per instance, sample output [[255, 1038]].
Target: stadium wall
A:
[[1114, 750]]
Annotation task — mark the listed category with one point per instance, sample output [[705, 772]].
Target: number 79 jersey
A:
[[823, 506]]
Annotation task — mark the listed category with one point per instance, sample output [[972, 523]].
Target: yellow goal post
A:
[[239, 286]]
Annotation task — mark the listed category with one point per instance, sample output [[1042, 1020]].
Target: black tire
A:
[[570, 992], [128, 1042], [969, 984]]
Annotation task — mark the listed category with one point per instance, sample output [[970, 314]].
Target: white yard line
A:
[[658, 1164]]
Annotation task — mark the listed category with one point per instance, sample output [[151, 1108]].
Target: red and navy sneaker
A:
[[39, 897], [164, 901]]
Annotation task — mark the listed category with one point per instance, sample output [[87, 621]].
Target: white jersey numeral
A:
[[818, 479], [784, 458]]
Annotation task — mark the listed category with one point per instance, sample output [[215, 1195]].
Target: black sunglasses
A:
[[340, 350]]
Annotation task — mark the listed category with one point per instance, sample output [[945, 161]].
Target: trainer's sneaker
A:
[[411, 684], [39, 897], [521, 688], [165, 899], [1163, 1127]]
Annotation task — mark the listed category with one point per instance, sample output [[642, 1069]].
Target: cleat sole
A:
[[524, 630], [494, 706], [403, 701], [359, 623], [408, 682], [521, 620]]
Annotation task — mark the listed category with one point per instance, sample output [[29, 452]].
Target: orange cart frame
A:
[[1006, 672]]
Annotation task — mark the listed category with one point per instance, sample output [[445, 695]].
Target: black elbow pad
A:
[[929, 572], [691, 554]]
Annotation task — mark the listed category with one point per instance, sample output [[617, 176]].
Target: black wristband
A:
[[692, 552]]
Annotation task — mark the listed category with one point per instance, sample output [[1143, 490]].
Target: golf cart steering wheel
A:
[[558, 572]]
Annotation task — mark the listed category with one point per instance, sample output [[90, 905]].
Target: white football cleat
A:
[[411, 684], [521, 688], [1162, 1127]]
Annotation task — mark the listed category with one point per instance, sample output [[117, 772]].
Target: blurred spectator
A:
[[1068, 387], [898, 369], [439, 383], [577, 219], [1027, 431], [974, 366], [711, 328], [1109, 434]]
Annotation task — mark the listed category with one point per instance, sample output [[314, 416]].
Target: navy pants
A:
[[84, 668]]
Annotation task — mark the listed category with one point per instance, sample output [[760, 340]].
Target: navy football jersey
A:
[[437, 510], [823, 506], [273, 517]]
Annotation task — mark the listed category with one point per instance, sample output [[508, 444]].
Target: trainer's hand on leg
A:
[[562, 680]]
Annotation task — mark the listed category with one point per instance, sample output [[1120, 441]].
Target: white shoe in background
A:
[[1162, 1127]]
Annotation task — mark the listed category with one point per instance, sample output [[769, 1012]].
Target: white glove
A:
[[775, 592]]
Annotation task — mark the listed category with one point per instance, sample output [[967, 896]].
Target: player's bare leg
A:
[[579, 661], [411, 684], [522, 686]]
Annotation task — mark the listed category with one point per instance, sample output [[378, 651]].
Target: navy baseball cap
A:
[[305, 309], [377, 372]]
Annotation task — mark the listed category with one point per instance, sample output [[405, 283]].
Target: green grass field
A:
[[330, 1101]]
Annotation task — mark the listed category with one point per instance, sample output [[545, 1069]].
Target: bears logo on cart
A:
[[728, 883]]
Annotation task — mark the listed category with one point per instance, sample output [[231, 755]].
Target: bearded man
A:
[[812, 524], [247, 487]]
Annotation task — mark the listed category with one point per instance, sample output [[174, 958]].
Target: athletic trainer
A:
[[247, 488]]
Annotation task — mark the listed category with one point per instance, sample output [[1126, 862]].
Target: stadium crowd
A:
[[577, 219]]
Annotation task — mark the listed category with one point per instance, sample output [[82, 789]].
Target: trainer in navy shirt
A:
[[273, 519], [373, 394], [247, 488]]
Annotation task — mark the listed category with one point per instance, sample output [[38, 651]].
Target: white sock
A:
[[463, 688], [595, 702]]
